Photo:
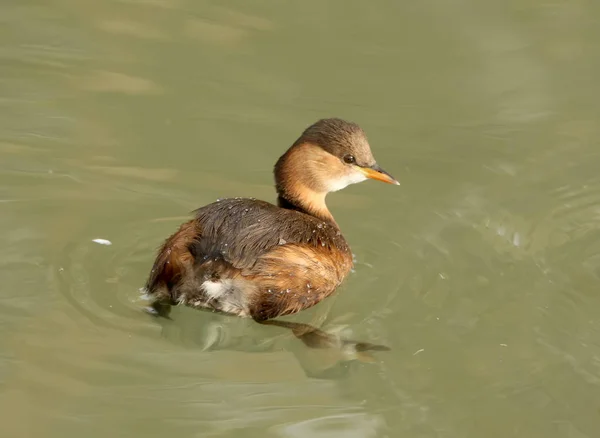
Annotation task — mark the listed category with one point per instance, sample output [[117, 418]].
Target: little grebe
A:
[[250, 258]]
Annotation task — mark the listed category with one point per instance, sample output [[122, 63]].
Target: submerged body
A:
[[250, 258]]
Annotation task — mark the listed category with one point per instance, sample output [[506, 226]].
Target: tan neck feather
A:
[[310, 201], [298, 181]]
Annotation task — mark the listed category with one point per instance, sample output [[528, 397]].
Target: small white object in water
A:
[[418, 351], [102, 241]]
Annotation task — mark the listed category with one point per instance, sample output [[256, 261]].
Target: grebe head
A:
[[329, 155]]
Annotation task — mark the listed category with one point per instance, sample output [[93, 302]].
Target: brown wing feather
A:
[[241, 230], [174, 257]]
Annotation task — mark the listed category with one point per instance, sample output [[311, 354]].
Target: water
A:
[[481, 271]]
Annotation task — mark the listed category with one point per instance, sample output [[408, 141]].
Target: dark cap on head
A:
[[339, 138]]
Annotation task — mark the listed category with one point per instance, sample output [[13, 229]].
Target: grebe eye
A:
[[349, 159]]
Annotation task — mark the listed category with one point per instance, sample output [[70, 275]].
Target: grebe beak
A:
[[376, 172]]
